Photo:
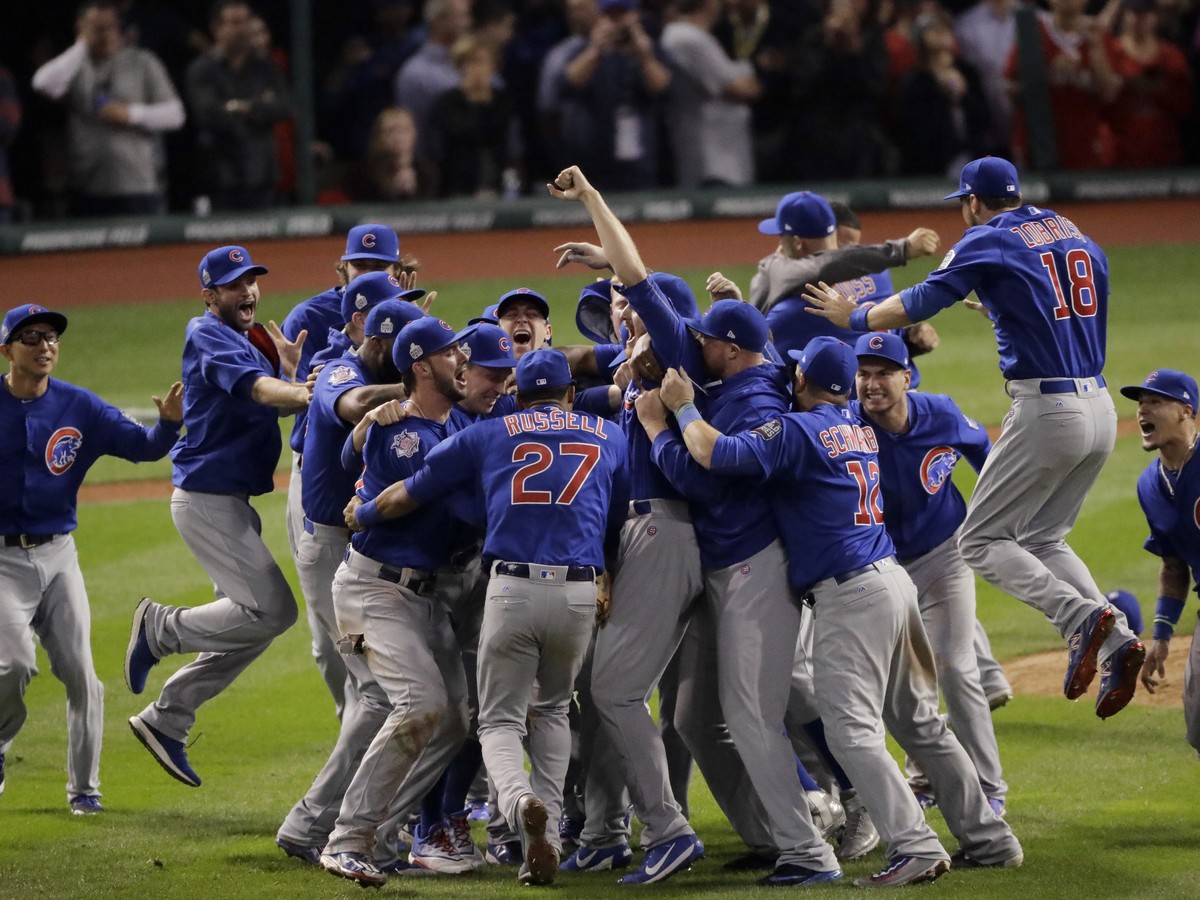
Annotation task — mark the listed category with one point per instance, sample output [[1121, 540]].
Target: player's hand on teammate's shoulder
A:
[[1156, 657], [350, 513], [721, 288], [387, 413], [646, 367], [170, 407], [826, 302], [921, 338], [650, 409], [623, 376], [581, 252], [922, 242], [676, 389], [570, 184]]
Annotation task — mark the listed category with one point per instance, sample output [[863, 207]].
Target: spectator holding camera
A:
[[119, 101]]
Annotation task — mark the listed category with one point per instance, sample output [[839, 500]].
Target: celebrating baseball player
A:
[[237, 378], [556, 478], [388, 612], [1169, 492], [874, 666], [51, 433], [921, 437], [1045, 286]]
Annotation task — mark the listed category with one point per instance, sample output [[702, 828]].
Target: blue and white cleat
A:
[[665, 859]]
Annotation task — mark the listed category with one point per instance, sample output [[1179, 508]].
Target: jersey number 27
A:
[[540, 458]]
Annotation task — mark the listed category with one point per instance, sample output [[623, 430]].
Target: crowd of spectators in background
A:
[[121, 106]]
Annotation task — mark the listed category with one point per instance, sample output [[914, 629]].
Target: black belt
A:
[[522, 570], [640, 507], [413, 579], [28, 541], [1065, 385]]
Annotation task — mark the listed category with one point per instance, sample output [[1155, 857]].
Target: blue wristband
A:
[[1166, 616], [368, 514], [858, 318], [686, 415]]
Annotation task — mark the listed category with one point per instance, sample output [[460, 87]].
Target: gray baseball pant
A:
[[1050, 451], [875, 668], [1191, 690], [991, 673], [254, 604], [42, 592], [318, 552]]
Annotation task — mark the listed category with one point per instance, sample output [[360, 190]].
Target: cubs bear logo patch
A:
[[406, 443], [937, 467], [62, 449]]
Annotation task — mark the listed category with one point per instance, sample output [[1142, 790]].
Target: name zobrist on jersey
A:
[[1046, 231]]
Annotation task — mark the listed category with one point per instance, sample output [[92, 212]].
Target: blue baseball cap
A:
[[1169, 383], [1128, 604], [593, 312], [803, 214], [488, 345], [734, 322], [991, 176], [523, 293], [883, 344], [389, 316], [489, 316], [372, 241], [420, 338], [27, 314], [542, 369], [365, 291], [828, 363], [676, 290], [226, 264]]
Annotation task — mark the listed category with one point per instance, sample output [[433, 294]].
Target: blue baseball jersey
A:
[[822, 469], [553, 480], [232, 443], [319, 315], [425, 539], [326, 486], [1044, 283], [337, 344], [731, 516], [1171, 503], [922, 507], [47, 446]]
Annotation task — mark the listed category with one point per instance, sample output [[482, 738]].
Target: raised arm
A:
[[618, 246]]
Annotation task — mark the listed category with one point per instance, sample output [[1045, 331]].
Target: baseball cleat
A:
[[460, 837], [480, 812], [860, 837], [925, 801], [1082, 648], [435, 851], [508, 853], [589, 859], [999, 698], [541, 858], [569, 832], [85, 805], [665, 859], [792, 875], [751, 862], [355, 867], [999, 807], [906, 870], [170, 753], [960, 860], [826, 812], [302, 852], [139, 659], [1118, 678], [399, 866]]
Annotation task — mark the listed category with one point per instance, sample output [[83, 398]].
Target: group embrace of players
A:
[[498, 542]]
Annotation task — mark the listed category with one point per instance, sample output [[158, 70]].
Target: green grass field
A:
[[1104, 809]]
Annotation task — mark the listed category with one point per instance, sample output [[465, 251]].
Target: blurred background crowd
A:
[[140, 107]]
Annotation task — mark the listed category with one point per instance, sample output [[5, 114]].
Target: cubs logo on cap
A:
[[884, 345], [522, 293], [1169, 383], [226, 264], [421, 338], [372, 241], [487, 345], [27, 314]]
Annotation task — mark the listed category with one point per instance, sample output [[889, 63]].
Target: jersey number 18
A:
[[1083, 300]]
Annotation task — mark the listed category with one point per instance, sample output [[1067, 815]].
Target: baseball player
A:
[[346, 390], [921, 437], [658, 547], [51, 433], [387, 611], [808, 251], [745, 573], [237, 379], [525, 315], [1169, 492], [557, 478], [1045, 287], [875, 664]]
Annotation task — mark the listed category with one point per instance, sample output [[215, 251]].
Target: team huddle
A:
[[501, 543]]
